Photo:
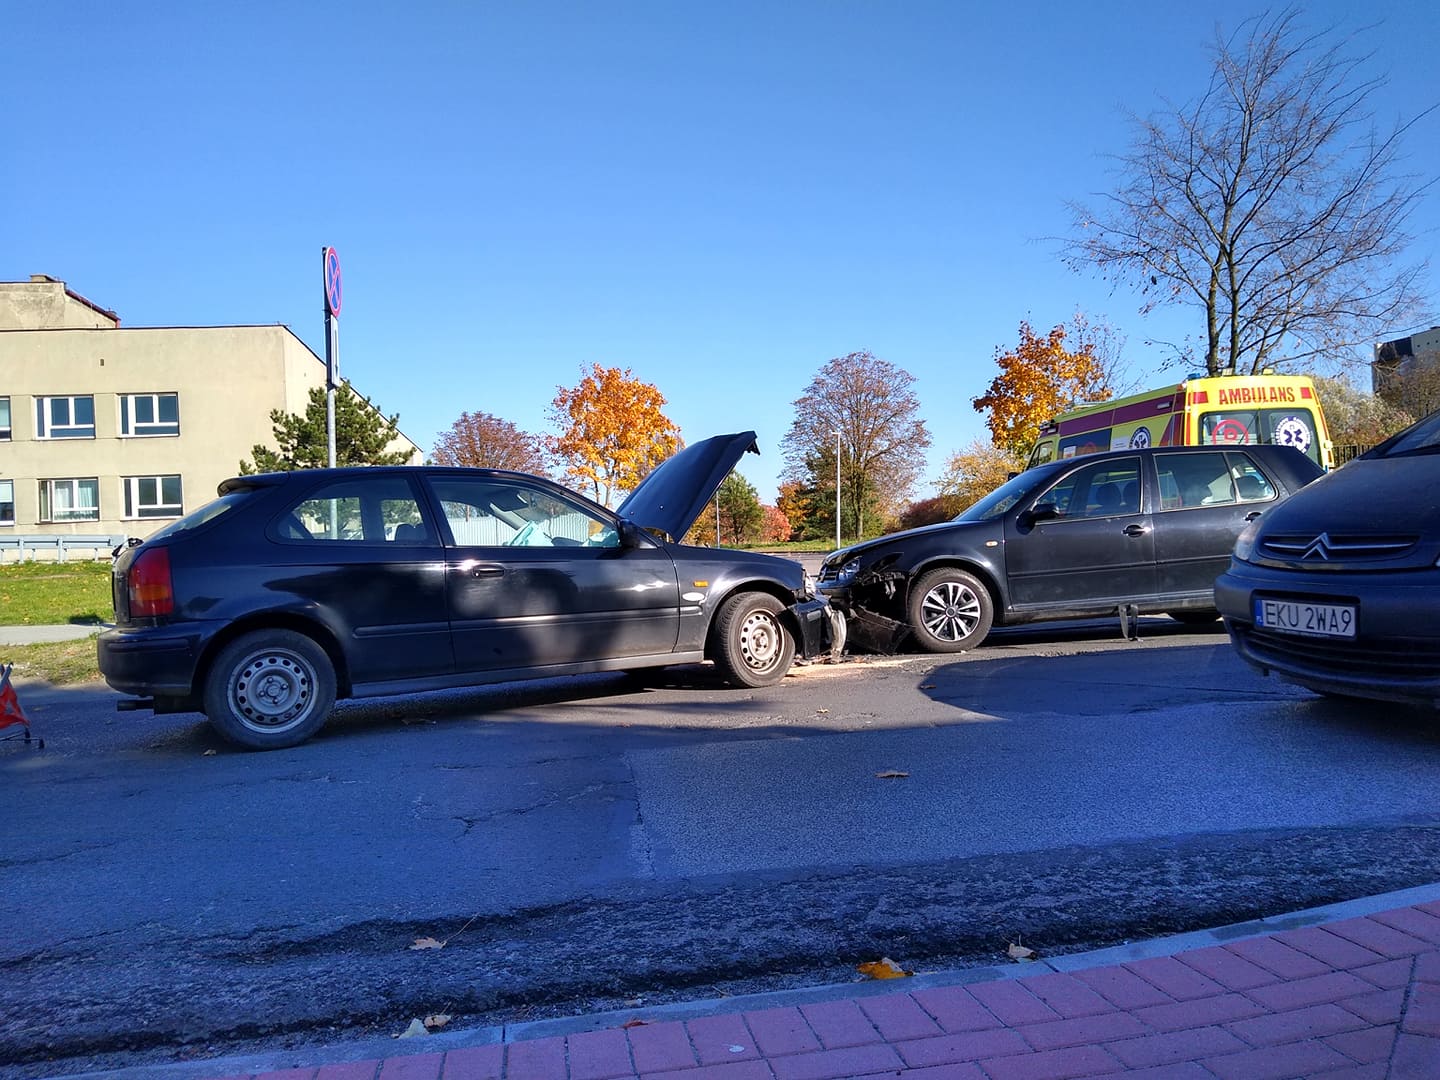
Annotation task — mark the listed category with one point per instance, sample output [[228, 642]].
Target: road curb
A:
[[1129, 952]]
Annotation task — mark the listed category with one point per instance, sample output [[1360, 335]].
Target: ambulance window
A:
[[1042, 453]]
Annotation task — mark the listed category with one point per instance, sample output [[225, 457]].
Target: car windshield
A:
[[1000, 500], [1421, 438]]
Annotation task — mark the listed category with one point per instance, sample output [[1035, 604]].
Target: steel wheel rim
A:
[[273, 691], [950, 611], [761, 642]]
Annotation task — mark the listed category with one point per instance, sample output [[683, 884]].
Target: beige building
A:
[[1400, 356], [113, 431]]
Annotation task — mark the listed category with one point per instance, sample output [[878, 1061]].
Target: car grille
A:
[[829, 573], [1338, 549], [1396, 657]]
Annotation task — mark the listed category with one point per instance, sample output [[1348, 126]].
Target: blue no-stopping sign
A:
[[332, 282]]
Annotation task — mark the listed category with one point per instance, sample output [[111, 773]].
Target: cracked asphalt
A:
[[581, 845]]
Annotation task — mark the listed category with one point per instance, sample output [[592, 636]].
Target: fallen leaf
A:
[[884, 968], [436, 1020], [427, 943], [891, 774], [634, 1023], [822, 710], [415, 1028], [1019, 953]]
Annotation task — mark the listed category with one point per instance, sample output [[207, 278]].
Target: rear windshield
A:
[[206, 514]]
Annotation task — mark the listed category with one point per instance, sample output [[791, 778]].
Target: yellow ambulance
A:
[[1225, 410]]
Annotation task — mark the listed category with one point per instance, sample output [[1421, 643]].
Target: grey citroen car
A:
[[292, 589], [1338, 590]]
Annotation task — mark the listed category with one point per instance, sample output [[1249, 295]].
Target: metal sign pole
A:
[[330, 275], [329, 390]]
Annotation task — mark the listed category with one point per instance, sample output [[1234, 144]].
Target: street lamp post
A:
[[837, 490]]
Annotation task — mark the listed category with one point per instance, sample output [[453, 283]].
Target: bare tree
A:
[[882, 443], [1272, 204], [480, 440]]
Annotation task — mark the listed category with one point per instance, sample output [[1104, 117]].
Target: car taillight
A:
[[149, 584]]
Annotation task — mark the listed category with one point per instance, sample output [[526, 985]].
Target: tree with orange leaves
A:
[[612, 432], [1041, 378]]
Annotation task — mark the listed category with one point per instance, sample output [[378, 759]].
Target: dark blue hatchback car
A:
[[293, 589], [1338, 589]]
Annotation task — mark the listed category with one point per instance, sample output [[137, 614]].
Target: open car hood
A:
[[675, 493]]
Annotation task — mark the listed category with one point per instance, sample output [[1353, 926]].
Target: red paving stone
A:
[[1353, 999]]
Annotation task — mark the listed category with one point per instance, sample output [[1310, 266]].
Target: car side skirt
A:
[[390, 687]]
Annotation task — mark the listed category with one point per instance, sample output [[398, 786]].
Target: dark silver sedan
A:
[[1338, 589], [1129, 532]]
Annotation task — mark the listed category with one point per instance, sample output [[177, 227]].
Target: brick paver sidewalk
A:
[[1354, 998]]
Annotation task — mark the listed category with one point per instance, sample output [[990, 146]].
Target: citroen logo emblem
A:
[[1319, 548]]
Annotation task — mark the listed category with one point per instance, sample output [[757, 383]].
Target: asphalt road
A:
[[582, 844]]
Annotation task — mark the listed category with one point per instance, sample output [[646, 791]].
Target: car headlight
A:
[[844, 575], [1245, 543]]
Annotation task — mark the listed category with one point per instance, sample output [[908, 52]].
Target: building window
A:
[[4, 419], [65, 417], [149, 414], [70, 500], [152, 496], [7, 502]]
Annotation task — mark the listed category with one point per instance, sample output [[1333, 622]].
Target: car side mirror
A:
[[629, 534], [1039, 512]]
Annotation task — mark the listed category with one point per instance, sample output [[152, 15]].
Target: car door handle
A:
[[487, 571], [1135, 530], [1253, 514]]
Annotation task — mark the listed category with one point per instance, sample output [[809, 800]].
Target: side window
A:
[[503, 513], [152, 496], [4, 419], [7, 502], [1191, 480], [1087, 442], [70, 500], [1105, 489], [368, 510], [1043, 452], [1251, 485], [65, 417], [149, 414]]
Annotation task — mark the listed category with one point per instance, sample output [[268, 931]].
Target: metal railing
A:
[[57, 547]]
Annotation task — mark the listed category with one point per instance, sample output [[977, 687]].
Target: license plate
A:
[[1305, 617]]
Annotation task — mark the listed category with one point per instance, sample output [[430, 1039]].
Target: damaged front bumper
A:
[[866, 628]]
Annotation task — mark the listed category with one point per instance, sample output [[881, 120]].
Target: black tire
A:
[[270, 689], [1198, 617], [949, 611], [749, 643]]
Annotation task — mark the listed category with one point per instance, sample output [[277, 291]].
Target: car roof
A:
[[355, 472]]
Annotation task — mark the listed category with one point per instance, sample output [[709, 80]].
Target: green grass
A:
[[46, 594], [794, 545], [50, 593], [56, 662]]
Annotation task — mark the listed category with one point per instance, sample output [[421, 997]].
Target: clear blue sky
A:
[[721, 197]]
